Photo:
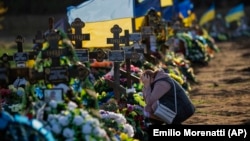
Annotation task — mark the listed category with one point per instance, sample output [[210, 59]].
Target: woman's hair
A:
[[150, 73]]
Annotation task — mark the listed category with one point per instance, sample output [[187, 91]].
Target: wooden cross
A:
[[53, 51], [116, 41], [78, 37], [39, 40], [20, 57], [131, 54], [55, 73], [148, 34]]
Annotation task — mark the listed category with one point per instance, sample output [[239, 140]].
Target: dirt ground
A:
[[222, 96]]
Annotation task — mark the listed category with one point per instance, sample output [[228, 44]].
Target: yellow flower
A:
[[30, 63], [123, 136]]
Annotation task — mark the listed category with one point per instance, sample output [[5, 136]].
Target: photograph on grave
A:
[[53, 94]]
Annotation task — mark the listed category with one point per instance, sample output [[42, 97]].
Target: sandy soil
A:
[[222, 96]]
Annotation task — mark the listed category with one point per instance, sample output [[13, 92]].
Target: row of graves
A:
[[57, 90], [74, 99]]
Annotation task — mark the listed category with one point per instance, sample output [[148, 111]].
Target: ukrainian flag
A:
[[165, 3], [207, 16], [100, 16], [185, 12], [235, 13]]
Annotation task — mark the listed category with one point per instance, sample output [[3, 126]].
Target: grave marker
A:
[[39, 40], [131, 54], [78, 37], [116, 41], [20, 57], [56, 73]]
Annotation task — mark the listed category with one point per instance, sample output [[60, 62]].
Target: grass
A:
[[11, 48]]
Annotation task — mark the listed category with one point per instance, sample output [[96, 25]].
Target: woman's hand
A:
[[145, 80]]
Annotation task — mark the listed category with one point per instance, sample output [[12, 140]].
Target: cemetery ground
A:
[[222, 94]]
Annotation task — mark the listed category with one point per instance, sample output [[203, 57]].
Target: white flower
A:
[[64, 120], [129, 130], [50, 117], [84, 113], [86, 128], [119, 118], [100, 132], [53, 103], [68, 133], [56, 128], [78, 120], [53, 121], [94, 122], [72, 105]]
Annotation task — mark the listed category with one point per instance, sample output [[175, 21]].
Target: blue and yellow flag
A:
[[100, 16], [208, 15], [236, 13], [185, 9]]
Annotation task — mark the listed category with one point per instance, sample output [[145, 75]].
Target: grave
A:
[[57, 73]]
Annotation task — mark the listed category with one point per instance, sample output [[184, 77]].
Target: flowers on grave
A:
[[13, 98], [134, 116], [100, 86], [138, 86], [138, 99], [134, 69], [117, 123], [69, 59], [68, 122]]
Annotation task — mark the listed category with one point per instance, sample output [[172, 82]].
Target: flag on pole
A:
[[236, 13], [208, 15]]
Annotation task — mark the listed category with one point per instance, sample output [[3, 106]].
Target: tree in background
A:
[[2, 11]]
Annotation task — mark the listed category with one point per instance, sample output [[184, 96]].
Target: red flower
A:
[[29, 115], [5, 92]]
